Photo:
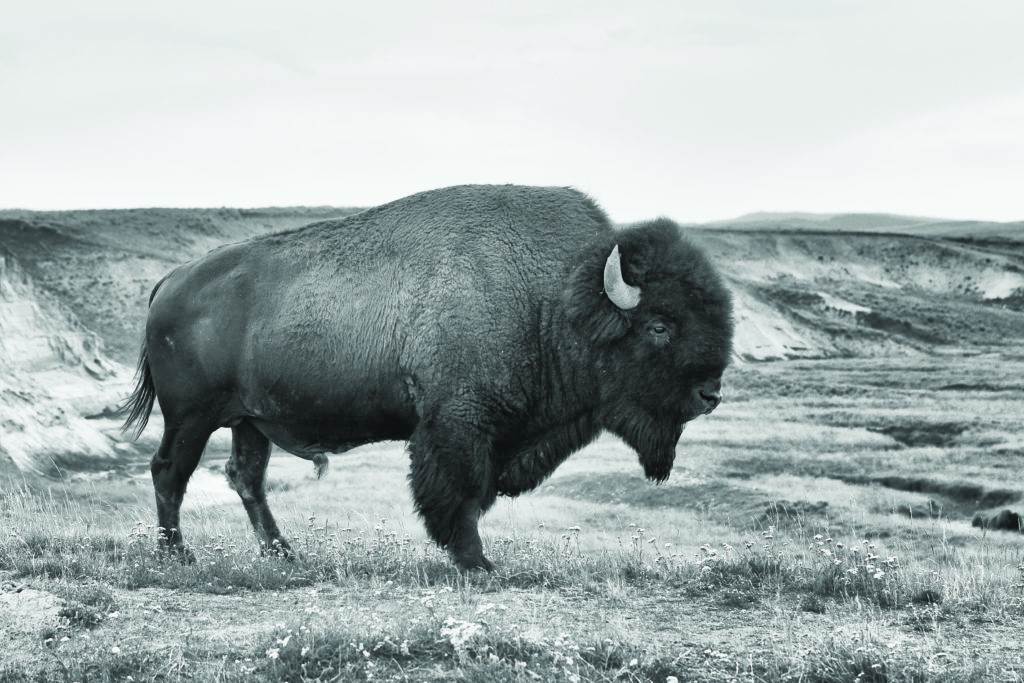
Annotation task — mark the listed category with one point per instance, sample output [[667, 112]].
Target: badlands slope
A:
[[820, 294]]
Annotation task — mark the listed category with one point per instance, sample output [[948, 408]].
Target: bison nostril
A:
[[713, 399]]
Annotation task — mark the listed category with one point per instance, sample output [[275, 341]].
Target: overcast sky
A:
[[696, 110]]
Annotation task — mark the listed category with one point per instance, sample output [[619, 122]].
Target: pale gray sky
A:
[[697, 110]]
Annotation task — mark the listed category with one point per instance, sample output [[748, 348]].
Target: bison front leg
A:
[[453, 485]]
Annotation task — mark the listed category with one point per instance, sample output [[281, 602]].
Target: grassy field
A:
[[817, 527]]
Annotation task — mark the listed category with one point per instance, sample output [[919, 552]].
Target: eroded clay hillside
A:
[[74, 287], [819, 294], [53, 376], [102, 264]]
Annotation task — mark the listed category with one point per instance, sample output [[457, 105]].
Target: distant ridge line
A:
[[762, 221]]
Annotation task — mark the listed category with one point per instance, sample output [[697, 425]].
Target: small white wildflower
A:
[[460, 633]]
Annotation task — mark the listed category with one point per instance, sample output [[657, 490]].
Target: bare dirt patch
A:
[[1005, 520], [961, 492], [980, 386], [941, 434], [25, 610], [718, 496], [898, 326]]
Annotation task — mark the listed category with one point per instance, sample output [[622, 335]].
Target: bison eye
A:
[[659, 332]]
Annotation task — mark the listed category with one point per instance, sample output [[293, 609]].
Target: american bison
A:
[[497, 328]]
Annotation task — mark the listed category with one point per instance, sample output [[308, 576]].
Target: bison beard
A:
[[528, 467], [655, 445]]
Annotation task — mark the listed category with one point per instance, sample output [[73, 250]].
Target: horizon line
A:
[[768, 213]]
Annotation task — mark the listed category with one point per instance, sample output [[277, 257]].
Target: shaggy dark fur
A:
[[470, 320]]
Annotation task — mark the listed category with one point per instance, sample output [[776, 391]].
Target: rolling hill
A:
[[966, 230]]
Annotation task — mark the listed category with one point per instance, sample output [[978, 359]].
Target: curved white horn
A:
[[622, 295]]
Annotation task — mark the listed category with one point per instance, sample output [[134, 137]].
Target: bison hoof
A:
[[279, 548], [474, 563], [179, 553]]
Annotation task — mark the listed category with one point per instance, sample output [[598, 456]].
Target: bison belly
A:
[[305, 422]]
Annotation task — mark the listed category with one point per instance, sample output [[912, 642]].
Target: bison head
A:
[[655, 322]]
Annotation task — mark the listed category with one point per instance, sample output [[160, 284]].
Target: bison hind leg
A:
[[172, 466], [247, 471]]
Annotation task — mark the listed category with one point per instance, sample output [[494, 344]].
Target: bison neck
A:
[[563, 411]]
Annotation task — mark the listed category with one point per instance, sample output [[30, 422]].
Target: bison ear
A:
[[588, 306]]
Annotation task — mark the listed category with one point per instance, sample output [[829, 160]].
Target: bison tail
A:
[[139, 405]]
